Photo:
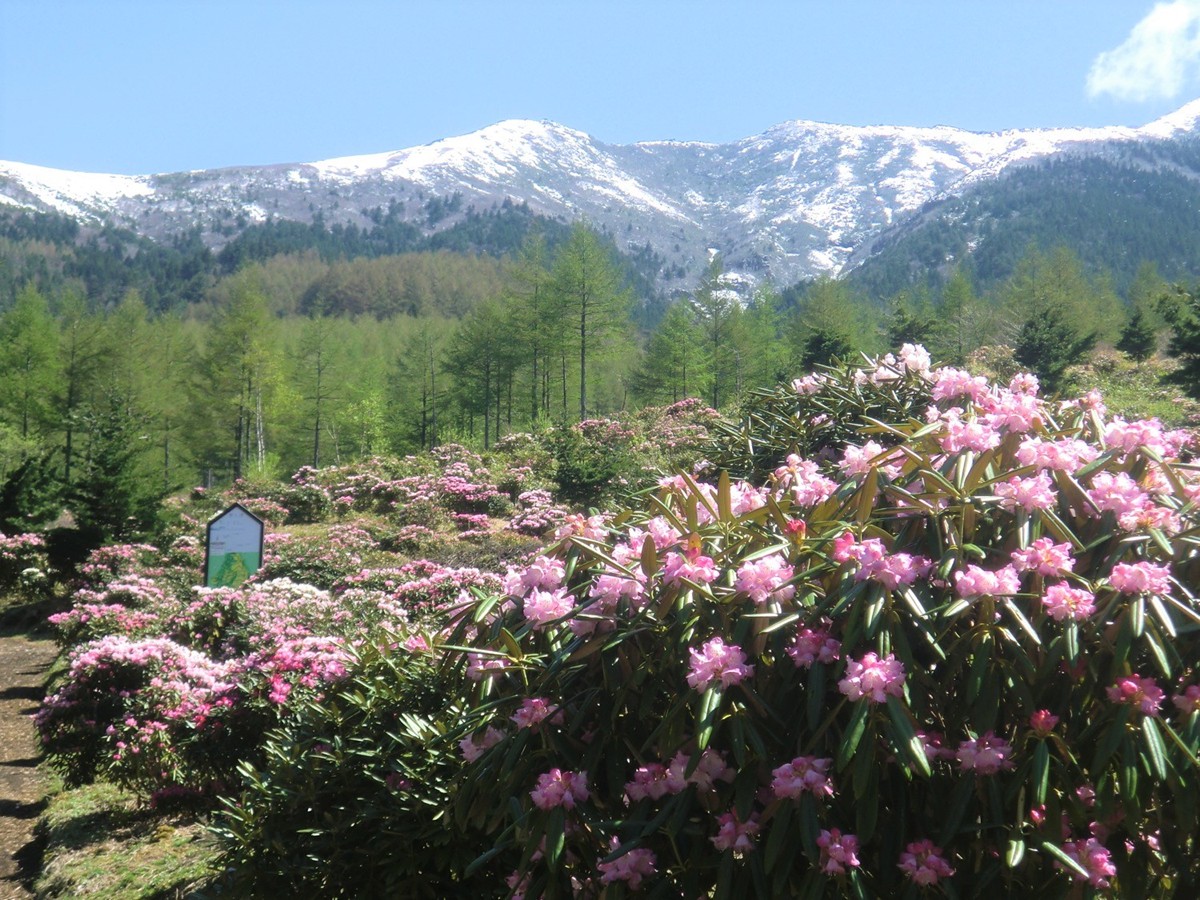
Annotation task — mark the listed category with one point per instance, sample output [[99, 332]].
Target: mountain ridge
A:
[[801, 199]]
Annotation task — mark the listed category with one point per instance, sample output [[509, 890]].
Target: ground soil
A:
[[23, 666]]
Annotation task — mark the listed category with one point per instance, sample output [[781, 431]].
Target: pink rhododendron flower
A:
[[805, 481], [1094, 858], [734, 834], [873, 678], [977, 582], [985, 755], [1141, 578], [860, 460], [923, 863], [1027, 493], [559, 788], [876, 563], [535, 710], [838, 851], [1044, 557], [1137, 691], [915, 358], [1014, 413], [481, 666], [973, 435], [1065, 455], [1063, 602], [814, 645], [764, 578], [543, 607], [710, 768], [804, 773], [934, 745], [1188, 701], [649, 781], [691, 565], [949, 383], [716, 661], [1117, 492], [474, 745], [631, 867]]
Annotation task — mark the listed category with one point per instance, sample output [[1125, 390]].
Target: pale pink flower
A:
[[1024, 383], [860, 460], [1189, 701], [544, 607], [745, 497], [1092, 856], [923, 862], [915, 358], [873, 678], [559, 788], [481, 666], [1006, 411], [1137, 691], [1044, 557], [876, 563], [734, 834], [1117, 492], [934, 745], [632, 866], [1064, 455], [535, 710], [1141, 578], [949, 383], [474, 745], [810, 384], [814, 645], [977, 582], [973, 435], [717, 662], [692, 565], [838, 851], [765, 578], [710, 768], [1063, 602], [985, 755], [1027, 493], [649, 781], [804, 773]]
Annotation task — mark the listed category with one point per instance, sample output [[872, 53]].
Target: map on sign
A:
[[234, 548]]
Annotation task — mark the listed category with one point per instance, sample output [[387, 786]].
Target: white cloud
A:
[[1159, 59]]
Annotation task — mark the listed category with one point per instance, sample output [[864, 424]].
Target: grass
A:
[[1136, 390], [99, 842]]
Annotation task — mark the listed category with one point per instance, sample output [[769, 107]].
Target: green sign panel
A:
[[234, 548]]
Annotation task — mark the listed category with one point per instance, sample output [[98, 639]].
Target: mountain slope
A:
[[799, 200]]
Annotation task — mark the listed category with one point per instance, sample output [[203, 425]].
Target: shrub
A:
[[352, 796], [963, 652]]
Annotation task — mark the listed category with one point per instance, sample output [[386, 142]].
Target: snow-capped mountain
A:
[[800, 199]]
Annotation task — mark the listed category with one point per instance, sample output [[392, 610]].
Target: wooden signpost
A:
[[234, 546]]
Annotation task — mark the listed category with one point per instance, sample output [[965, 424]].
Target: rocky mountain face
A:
[[801, 199]]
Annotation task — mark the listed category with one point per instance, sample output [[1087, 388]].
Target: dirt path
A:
[[23, 665]]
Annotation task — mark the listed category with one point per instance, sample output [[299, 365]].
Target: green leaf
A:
[[1041, 772], [906, 737], [1015, 852], [706, 718], [778, 838], [956, 809], [1110, 740], [1155, 747], [1062, 857], [854, 733]]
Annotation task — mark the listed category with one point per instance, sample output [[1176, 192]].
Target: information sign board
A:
[[233, 551]]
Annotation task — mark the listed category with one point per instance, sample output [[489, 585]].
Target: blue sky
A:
[[132, 86]]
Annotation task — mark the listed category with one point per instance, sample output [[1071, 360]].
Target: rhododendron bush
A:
[[960, 653]]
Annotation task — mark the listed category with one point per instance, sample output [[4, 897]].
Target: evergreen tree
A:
[[1182, 309], [28, 351], [1138, 339], [588, 287], [715, 308], [672, 366], [1047, 345]]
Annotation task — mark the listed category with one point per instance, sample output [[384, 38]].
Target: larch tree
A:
[[588, 287]]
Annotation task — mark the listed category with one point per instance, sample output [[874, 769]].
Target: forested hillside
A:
[[134, 368]]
